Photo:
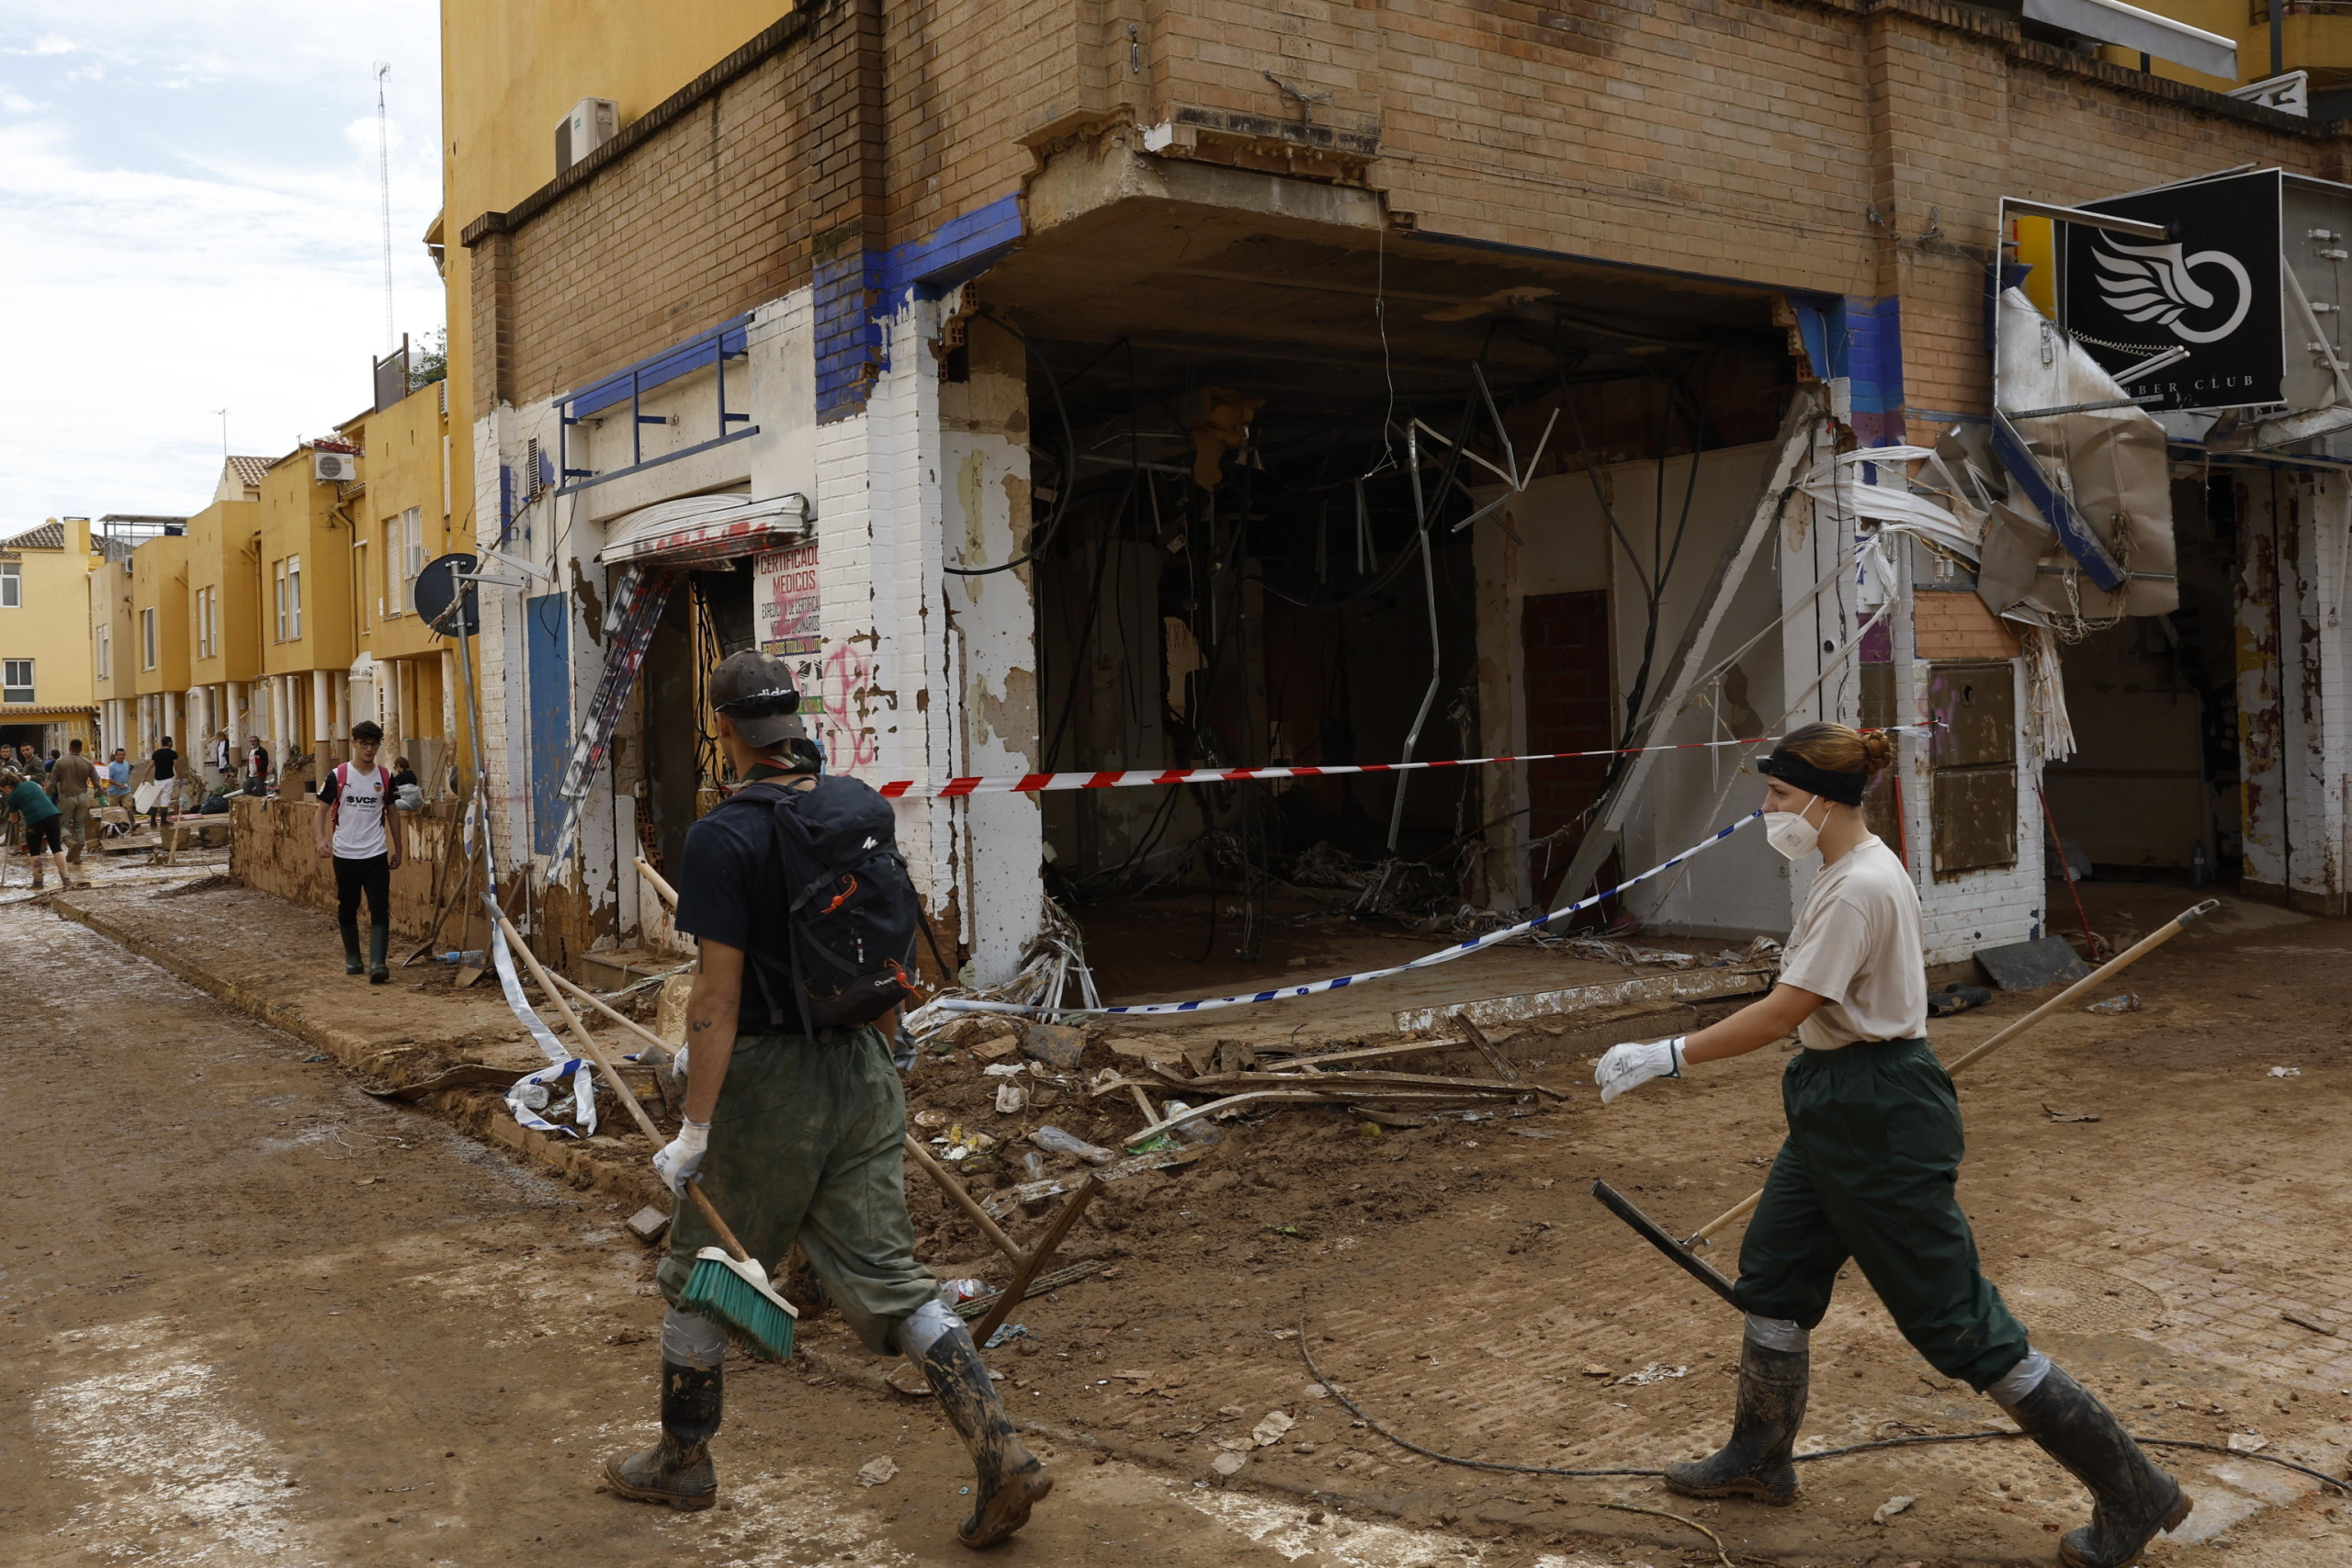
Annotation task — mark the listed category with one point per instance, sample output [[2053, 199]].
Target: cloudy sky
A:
[[191, 220]]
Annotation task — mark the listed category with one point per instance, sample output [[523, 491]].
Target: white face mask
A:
[[1789, 832]]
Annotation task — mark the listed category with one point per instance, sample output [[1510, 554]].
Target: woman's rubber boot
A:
[[1009, 1479], [1754, 1464], [379, 937], [677, 1469], [2131, 1498]]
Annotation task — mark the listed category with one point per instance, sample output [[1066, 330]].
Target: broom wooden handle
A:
[[718, 1226], [2089, 982], [595, 1053]]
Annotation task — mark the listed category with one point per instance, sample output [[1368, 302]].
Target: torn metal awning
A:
[[705, 528], [2128, 27]]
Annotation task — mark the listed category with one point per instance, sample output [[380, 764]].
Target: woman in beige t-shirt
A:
[[1867, 1170]]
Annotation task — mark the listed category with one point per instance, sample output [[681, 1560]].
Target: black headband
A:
[[1846, 789]]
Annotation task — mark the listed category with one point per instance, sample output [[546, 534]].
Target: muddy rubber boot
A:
[[2131, 1498], [677, 1469], [1009, 1479], [379, 937], [352, 963], [1754, 1464]]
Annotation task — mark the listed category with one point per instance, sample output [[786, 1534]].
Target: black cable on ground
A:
[[1989, 1433]]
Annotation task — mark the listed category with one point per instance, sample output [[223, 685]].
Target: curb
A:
[[601, 1163]]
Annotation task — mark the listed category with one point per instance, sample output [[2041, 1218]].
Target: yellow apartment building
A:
[[308, 514], [114, 686], [47, 695], [224, 616], [158, 641], [405, 676]]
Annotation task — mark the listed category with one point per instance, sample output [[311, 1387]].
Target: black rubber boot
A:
[[1009, 1479], [352, 963], [1754, 1464], [379, 937], [2131, 1498], [677, 1469]]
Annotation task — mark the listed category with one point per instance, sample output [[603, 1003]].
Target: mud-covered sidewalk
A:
[[2160, 1194]]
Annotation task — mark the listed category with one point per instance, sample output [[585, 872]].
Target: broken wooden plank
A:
[[1237, 1082], [1641, 994], [1485, 1047], [1000, 1204]]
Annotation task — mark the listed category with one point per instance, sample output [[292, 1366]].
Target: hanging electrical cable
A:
[[1070, 456]]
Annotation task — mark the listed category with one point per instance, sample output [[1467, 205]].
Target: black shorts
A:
[[50, 830]]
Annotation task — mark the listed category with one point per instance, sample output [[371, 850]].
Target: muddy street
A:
[[253, 1316], [258, 1316]]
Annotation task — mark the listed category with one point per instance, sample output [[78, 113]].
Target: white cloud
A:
[[171, 252]]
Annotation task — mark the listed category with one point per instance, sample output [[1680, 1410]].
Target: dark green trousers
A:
[[1868, 1173], [805, 1146]]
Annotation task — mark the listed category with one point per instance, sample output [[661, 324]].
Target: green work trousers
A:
[[76, 812], [806, 1147], [1867, 1173]]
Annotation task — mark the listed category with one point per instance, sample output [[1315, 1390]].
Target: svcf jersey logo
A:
[[2156, 283]]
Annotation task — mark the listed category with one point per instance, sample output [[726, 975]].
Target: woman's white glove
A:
[[1632, 1065], [680, 1158]]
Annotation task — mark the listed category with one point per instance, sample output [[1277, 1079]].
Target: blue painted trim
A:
[[506, 502], [727, 340], [1875, 353], [857, 291], [657, 462]]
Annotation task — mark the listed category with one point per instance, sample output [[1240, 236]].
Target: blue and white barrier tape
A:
[[1313, 987], [561, 1063]]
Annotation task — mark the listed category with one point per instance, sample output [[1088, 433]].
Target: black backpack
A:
[[852, 912]]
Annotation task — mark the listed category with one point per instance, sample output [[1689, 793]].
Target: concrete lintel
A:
[[1077, 183]]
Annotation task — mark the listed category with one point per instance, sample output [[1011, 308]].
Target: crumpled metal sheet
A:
[[2110, 464]]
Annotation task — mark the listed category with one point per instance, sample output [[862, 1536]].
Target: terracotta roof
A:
[[48, 537], [250, 471]]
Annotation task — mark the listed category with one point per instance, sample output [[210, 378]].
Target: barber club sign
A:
[[2210, 290]]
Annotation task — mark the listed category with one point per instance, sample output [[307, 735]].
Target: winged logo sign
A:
[[2211, 291]]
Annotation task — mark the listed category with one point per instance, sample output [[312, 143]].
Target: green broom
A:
[[729, 1288]]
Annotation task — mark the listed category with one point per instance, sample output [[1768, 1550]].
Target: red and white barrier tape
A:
[[1031, 783]]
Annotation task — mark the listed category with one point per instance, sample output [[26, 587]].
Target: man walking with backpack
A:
[[795, 1118], [360, 826]]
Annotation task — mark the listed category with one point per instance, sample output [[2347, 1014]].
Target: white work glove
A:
[[680, 1158], [1635, 1064], [678, 1064]]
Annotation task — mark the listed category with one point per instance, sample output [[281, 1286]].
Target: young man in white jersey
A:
[[360, 826]]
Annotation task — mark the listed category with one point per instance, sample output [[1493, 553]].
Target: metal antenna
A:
[[384, 182], [224, 430]]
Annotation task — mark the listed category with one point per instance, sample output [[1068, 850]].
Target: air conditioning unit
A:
[[335, 468], [590, 124]]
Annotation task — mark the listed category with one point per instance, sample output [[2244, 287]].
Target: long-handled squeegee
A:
[[1682, 1252]]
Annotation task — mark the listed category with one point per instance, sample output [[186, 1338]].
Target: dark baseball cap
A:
[[754, 689]]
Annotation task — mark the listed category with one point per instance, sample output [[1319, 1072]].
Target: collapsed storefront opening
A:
[[1304, 503]]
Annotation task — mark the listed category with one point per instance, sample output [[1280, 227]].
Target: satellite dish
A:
[[445, 600]]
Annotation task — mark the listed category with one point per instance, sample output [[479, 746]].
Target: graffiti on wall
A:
[[837, 686]]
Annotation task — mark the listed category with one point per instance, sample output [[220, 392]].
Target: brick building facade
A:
[[1190, 312]]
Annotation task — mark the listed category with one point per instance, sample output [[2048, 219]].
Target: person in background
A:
[[224, 760], [256, 767], [71, 779], [406, 790], [359, 827], [23, 798], [167, 763], [118, 778]]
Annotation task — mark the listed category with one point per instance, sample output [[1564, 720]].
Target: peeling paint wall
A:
[[991, 638], [2291, 677]]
